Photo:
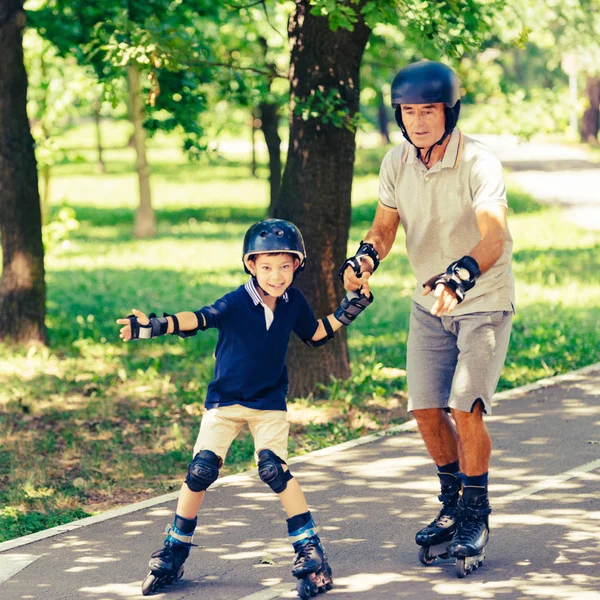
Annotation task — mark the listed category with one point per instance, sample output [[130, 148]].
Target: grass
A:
[[90, 423]]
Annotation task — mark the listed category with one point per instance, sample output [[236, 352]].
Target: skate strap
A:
[[179, 537], [304, 533]]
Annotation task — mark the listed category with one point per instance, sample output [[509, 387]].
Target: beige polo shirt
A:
[[437, 208]]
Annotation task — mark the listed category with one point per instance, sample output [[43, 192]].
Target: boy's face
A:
[[274, 272]]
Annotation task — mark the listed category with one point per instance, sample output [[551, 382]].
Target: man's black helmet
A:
[[427, 82], [273, 236]]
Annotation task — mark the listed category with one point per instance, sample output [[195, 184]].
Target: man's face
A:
[[274, 272], [425, 123]]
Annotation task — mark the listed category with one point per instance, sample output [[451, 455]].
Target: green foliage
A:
[[14, 523], [328, 107]]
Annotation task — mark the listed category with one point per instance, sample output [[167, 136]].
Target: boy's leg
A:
[[217, 430], [270, 431]]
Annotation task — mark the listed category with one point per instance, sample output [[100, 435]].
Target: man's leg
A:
[[439, 434], [475, 444]]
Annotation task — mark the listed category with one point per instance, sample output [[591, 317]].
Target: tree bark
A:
[[382, 117], [22, 285], [590, 121], [145, 220], [269, 124], [253, 128], [317, 181], [100, 165]]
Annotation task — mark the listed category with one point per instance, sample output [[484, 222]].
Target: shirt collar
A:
[[253, 292]]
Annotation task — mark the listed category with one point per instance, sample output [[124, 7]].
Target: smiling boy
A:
[[250, 385]]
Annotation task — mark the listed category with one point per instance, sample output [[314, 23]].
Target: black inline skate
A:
[[473, 532], [311, 568], [166, 564], [434, 538]]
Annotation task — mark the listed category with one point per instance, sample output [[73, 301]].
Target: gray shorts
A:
[[454, 361]]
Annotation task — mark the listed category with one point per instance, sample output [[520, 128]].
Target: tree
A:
[[22, 286], [155, 38], [328, 40]]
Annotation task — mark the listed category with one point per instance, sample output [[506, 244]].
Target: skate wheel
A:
[[424, 557], [306, 588], [150, 584], [461, 570]]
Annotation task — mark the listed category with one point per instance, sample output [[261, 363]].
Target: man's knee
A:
[[203, 471], [429, 416], [270, 471]]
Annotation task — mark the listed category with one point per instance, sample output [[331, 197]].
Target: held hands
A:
[[126, 332]]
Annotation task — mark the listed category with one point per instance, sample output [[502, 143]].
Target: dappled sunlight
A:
[[118, 590]]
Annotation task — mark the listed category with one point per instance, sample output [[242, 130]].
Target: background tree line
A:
[[326, 65]]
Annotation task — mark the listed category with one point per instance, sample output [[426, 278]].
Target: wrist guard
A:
[[365, 249], [351, 306], [156, 327], [460, 276]]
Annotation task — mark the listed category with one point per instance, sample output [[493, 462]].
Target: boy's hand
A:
[[351, 306], [126, 334]]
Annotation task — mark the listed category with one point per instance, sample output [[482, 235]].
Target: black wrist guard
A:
[[365, 249], [460, 276], [156, 327], [351, 306]]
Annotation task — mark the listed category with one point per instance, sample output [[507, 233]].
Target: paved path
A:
[[553, 173], [369, 500]]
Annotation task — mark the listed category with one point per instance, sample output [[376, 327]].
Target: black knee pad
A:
[[271, 472], [202, 471]]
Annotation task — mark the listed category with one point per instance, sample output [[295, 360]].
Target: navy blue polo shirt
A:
[[250, 359]]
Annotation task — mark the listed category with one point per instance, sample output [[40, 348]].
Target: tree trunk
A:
[[100, 166], [269, 124], [145, 221], [590, 121], [382, 117], [22, 286], [253, 128], [317, 181]]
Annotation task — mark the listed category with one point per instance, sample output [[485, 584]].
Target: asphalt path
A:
[[369, 497]]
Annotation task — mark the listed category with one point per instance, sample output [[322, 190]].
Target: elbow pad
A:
[[330, 335]]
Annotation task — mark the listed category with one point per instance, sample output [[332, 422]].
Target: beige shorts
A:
[[221, 425]]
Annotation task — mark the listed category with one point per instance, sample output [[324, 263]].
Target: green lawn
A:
[[91, 423]]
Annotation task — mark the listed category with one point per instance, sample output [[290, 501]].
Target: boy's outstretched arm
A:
[[139, 326], [350, 307]]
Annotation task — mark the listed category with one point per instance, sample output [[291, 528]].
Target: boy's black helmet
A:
[[274, 236], [427, 82]]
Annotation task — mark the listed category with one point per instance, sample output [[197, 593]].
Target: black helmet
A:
[[427, 82], [273, 236]]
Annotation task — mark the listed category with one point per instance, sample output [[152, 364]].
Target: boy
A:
[[250, 386]]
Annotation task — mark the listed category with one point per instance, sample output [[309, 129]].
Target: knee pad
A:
[[271, 472], [202, 471]]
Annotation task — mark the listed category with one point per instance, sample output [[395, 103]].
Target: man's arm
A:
[[382, 235], [492, 227]]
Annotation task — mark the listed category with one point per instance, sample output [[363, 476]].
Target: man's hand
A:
[[446, 299], [353, 283], [142, 319]]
